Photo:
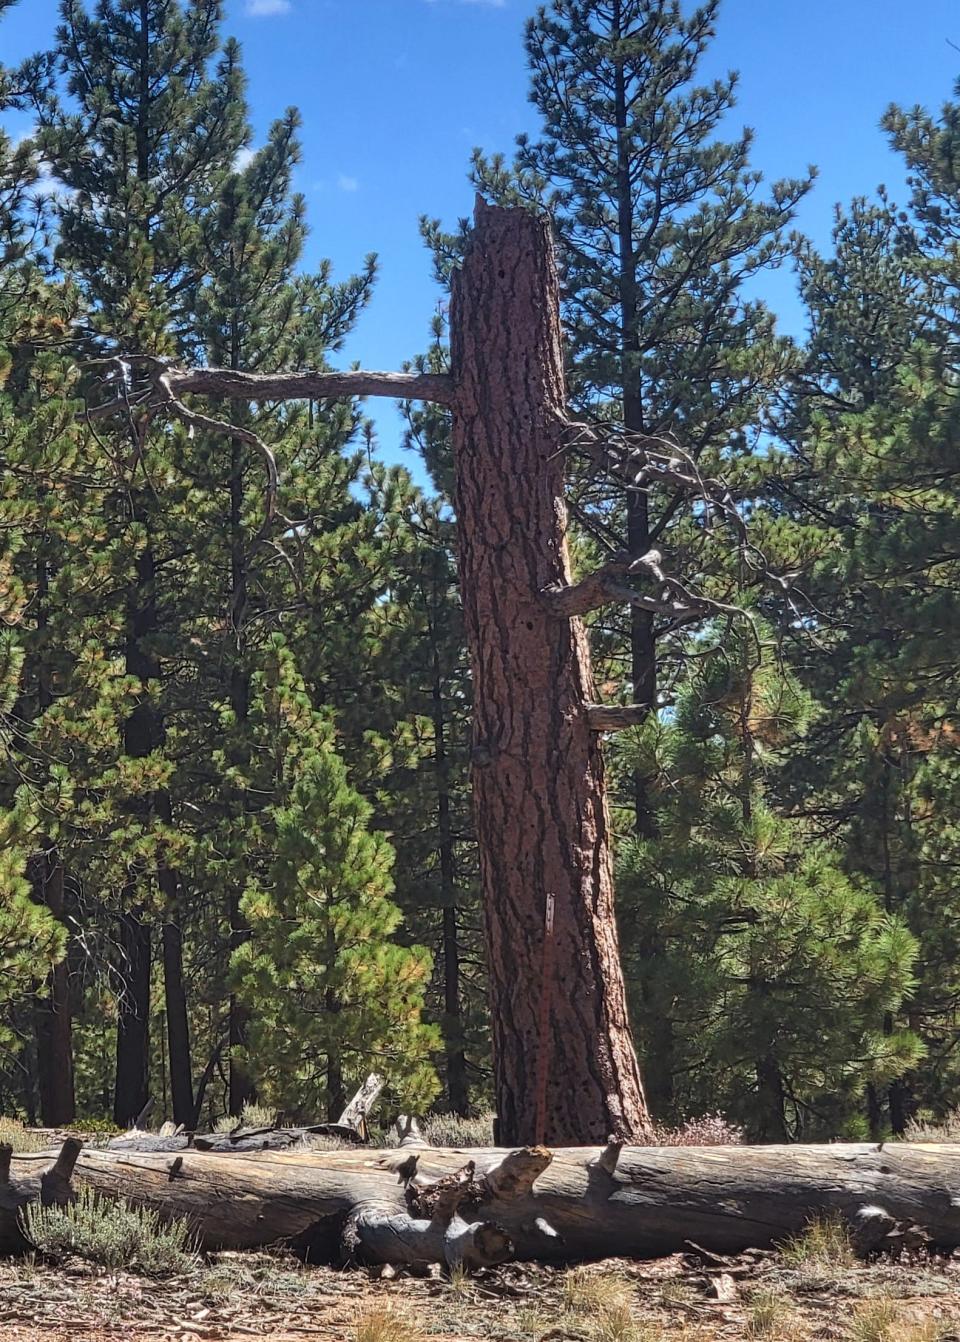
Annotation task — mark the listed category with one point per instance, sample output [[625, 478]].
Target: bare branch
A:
[[609, 1157], [307, 386], [606, 585], [616, 717]]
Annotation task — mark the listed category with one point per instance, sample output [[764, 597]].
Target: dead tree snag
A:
[[542, 820]]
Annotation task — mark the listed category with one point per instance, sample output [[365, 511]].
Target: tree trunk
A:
[[771, 1123], [542, 822], [241, 1087], [539, 795], [643, 644], [175, 1001], [53, 1016], [458, 1095], [132, 1088], [416, 1205]]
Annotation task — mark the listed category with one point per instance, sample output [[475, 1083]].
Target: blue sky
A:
[[395, 93]]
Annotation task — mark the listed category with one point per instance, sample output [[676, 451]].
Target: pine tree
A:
[[776, 965], [254, 311], [36, 433], [424, 792], [330, 996], [149, 130], [661, 229], [179, 249], [872, 435]]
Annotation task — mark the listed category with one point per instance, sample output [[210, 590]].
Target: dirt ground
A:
[[236, 1297]]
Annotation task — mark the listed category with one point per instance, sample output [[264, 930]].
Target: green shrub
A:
[[824, 1243], [252, 1116], [112, 1235], [452, 1130]]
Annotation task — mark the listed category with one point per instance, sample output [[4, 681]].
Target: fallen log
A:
[[240, 1140], [419, 1205], [350, 1127]]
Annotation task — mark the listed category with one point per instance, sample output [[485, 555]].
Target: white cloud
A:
[[348, 183], [267, 9], [244, 158]]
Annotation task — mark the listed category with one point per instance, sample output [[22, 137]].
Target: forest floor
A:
[[236, 1297]]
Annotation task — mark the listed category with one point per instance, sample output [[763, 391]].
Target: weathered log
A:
[[350, 1127], [243, 1139], [418, 1205]]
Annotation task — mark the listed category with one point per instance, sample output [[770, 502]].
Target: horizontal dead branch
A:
[[436, 387], [228, 384], [615, 717]]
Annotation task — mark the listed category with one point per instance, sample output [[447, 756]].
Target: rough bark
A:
[[456, 1063], [402, 1205], [175, 1003], [53, 1015], [542, 822], [132, 1085]]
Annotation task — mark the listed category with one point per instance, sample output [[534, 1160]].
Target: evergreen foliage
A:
[[330, 997], [236, 845], [775, 966]]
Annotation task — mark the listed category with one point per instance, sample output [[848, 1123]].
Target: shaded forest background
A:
[[236, 856]]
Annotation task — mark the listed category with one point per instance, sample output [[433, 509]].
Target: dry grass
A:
[[945, 1129], [588, 1292], [533, 1321], [604, 1306], [822, 1246], [384, 1323], [884, 1320], [769, 1316], [23, 1141]]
